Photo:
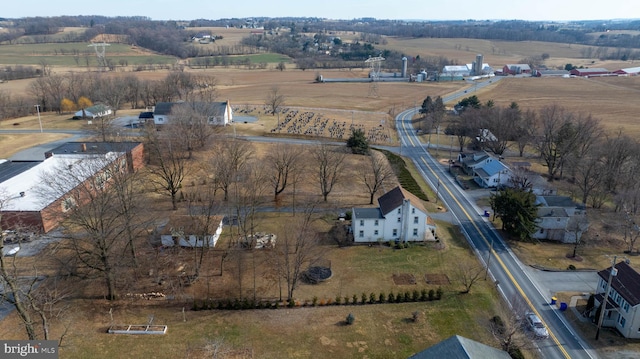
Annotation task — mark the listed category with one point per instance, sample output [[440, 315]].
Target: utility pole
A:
[[450, 149], [603, 306], [39, 119], [486, 272]]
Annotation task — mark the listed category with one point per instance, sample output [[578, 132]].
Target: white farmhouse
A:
[[400, 216], [622, 310]]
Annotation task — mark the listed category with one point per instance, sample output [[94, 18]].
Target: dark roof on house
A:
[[94, 147], [557, 201], [394, 198], [11, 169], [551, 212], [457, 347], [145, 115], [626, 282], [371, 213], [214, 108]]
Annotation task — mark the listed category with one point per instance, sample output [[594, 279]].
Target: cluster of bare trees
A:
[[600, 165], [115, 91]]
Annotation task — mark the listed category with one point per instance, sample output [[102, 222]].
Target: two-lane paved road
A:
[[504, 267]]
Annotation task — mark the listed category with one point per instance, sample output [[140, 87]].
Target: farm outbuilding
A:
[[516, 69], [596, 71], [94, 111], [629, 71]]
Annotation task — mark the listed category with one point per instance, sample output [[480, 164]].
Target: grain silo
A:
[[404, 67], [477, 66]]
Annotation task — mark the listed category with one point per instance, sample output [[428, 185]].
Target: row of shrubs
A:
[[372, 298]]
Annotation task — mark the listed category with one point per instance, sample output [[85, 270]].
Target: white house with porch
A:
[[401, 216], [622, 310]]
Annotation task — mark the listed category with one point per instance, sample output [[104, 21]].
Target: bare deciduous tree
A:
[[297, 248], [191, 123], [375, 172], [468, 274], [14, 288], [283, 161], [275, 100], [231, 157], [328, 163], [168, 162], [92, 214]]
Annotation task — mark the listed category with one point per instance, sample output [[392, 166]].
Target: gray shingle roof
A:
[[393, 199], [626, 283], [371, 213], [457, 347]]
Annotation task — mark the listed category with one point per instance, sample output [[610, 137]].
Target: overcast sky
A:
[[333, 9]]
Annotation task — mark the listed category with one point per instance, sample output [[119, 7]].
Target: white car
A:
[[536, 325]]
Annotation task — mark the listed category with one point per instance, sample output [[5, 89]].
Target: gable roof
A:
[[491, 168], [394, 198], [521, 67], [212, 108], [557, 201], [93, 147], [626, 282], [457, 347]]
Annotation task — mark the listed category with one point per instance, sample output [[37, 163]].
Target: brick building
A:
[[27, 202]]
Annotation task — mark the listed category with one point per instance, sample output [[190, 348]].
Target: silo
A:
[[477, 70], [404, 67]]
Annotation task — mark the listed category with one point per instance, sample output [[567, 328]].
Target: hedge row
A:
[[404, 176], [371, 298]]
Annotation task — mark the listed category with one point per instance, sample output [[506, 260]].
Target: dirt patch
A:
[[404, 279], [437, 279]]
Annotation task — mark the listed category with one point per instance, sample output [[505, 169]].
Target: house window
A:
[[361, 234], [375, 233], [399, 219], [622, 322], [395, 232], [375, 223], [415, 220], [415, 232], [362, 223], [541, 230], [399, 210], [413, 211], [626, 307]]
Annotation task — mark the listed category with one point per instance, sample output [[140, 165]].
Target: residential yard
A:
[[380, 330]]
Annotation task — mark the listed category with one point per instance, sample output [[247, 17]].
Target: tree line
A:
[[62, 93]]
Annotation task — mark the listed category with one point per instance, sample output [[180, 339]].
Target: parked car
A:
[[536, 325]]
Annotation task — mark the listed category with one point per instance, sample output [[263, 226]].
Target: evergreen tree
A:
[[518, 211], [358, 142]]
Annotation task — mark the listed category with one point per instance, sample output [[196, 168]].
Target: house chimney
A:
[[84, 147]]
